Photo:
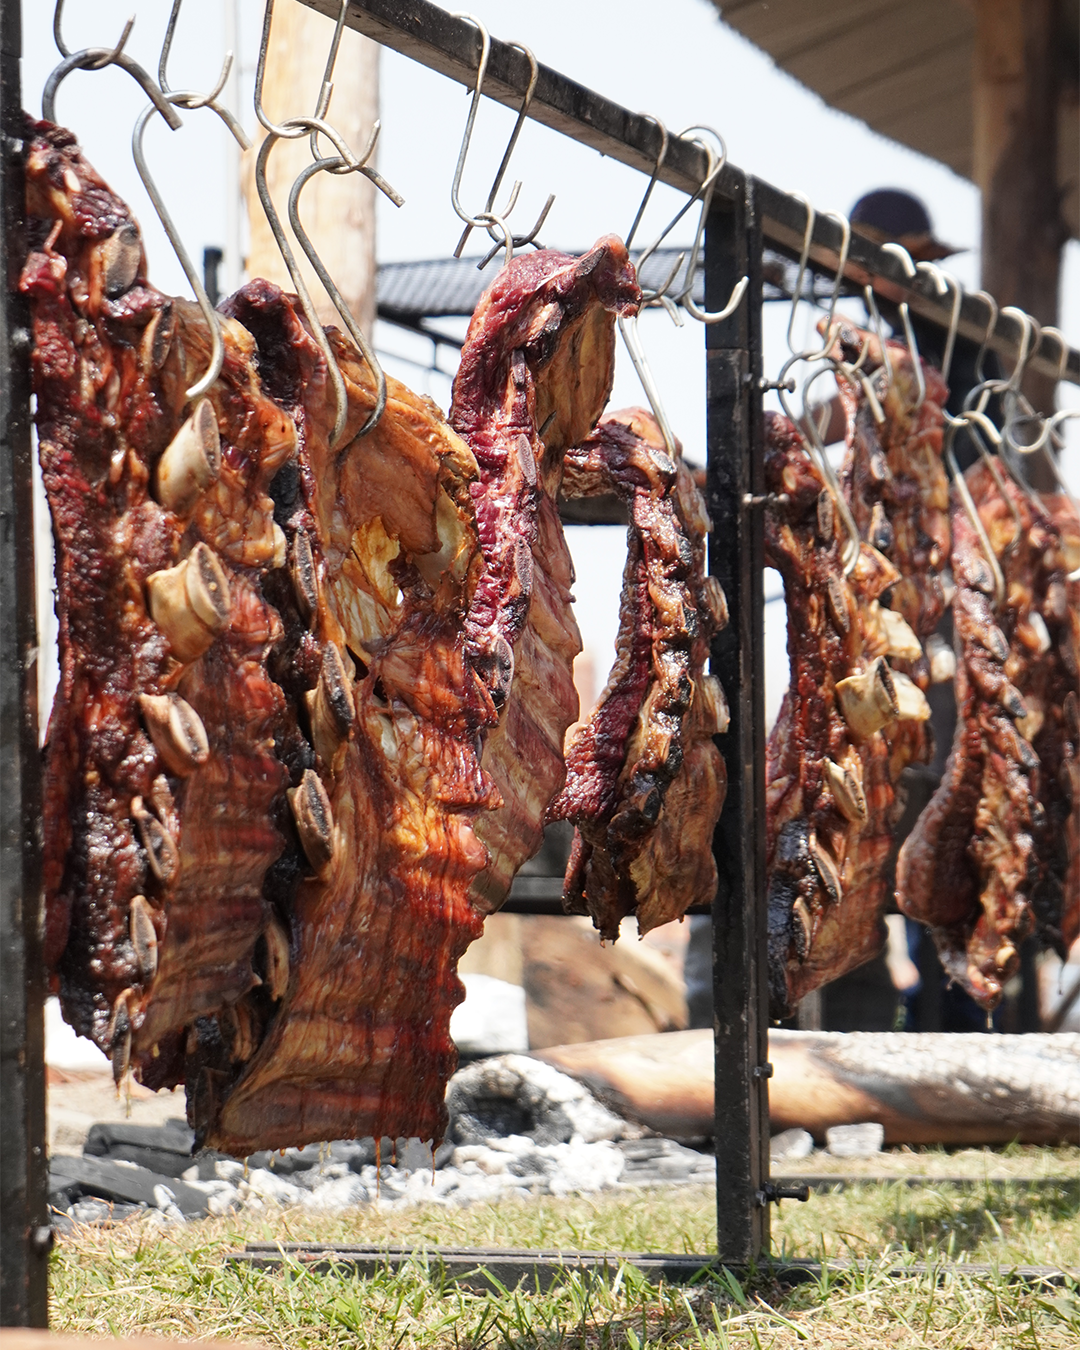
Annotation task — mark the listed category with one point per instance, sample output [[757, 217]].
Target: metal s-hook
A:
[[899, 251], [632, 338], [489, 218], [946, 282], [97, 58], [971, 510], [338, 300], [811, 438], [217, 350], [686, 298], [336, 378], [661, 155], [108, 57]]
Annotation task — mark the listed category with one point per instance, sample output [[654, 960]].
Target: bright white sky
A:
[[677, 61]]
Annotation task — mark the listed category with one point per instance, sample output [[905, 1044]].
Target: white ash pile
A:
[[518, 1127]]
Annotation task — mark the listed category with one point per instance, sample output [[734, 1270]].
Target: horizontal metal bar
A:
[[434, 38], [480, 1268]]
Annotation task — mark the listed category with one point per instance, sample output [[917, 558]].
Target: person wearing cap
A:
[[890, 215]]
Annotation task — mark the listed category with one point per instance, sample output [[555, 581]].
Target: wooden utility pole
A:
[[1017, 84], [338, 211]]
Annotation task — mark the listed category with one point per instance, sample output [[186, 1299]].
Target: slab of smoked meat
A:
[[989, 858], [894, 480], [161, 779], [838, 746], [535, 374], [372, 895], [644, 782]]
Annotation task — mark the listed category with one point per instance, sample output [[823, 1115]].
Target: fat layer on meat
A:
[[645, 783]]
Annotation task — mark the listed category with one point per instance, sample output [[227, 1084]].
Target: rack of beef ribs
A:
[[536, 371], [840, 740], [991, 857], [645, 783], [162, 782]]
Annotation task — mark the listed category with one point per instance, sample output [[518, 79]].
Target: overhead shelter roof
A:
[[904, 68]]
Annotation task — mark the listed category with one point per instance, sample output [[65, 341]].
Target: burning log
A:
[[923, 1087]]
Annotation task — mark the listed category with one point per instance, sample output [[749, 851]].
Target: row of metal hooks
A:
[[165, 101], [1024, 432], [341, 159]]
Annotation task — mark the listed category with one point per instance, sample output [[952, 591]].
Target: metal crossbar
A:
[[449, 45]]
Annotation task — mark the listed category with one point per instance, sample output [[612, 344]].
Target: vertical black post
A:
[[25, 1236], [736, 558]]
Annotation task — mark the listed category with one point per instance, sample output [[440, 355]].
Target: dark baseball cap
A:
[[891, 215]]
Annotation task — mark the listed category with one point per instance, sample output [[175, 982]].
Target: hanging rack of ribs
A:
[[536, 371], [831, 759], [645, 783], [993, 857], [264, 787], [161, 779], [894, 481]]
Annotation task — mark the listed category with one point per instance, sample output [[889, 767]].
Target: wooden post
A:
[[338, 211], [1016, 87]]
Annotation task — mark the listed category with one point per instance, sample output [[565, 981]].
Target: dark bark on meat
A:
[[154, 850], [645, 784], [839, 744], [992, 855], [277, 917], [535, 373], [894, 479]]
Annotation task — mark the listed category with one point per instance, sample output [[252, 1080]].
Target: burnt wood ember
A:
[[839, 743], [990, 858], [161, 780], [536, 370], [645, 783]]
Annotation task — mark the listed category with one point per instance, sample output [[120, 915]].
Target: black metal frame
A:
[[25, 1235], [746, 212]]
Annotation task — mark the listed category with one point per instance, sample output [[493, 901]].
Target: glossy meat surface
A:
[[262, 770], [645, 783], [839, 742], [989, 858], [373, 900], [161, 782], [535, 373]]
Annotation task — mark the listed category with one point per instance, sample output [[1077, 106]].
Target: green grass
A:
[[174, 1283]]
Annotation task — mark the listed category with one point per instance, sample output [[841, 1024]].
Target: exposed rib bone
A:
[[190, 602], [192, 461], [314, 820], [868, 700], [176, 730]]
